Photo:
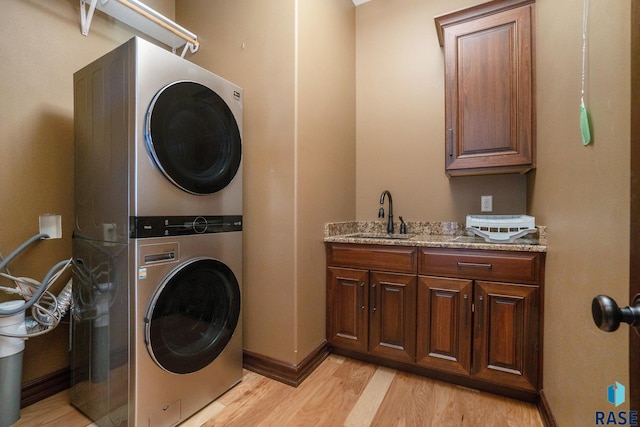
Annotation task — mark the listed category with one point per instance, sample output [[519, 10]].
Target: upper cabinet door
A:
[[489, 88]]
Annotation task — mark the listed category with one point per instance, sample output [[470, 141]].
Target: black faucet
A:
[[381, 211]]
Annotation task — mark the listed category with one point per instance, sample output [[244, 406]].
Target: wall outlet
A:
[[486, 203]]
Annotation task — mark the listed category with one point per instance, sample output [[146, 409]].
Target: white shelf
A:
[[143, 18]]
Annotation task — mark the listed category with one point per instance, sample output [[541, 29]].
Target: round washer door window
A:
[[192, 315], [193, 137]]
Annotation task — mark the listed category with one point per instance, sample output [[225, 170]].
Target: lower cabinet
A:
[[372, 312], [444, 324], [471, 317], [347, 308], [486, 330]]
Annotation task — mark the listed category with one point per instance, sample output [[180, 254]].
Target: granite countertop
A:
[[427, 234]]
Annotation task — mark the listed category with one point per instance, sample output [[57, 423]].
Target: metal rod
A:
[[160, 22]]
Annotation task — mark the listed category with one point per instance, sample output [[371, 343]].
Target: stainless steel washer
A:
[[188, 326], [155, 343]]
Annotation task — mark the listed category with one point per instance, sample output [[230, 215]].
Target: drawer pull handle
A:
[[474, 265], [481, 312], [361, 295]]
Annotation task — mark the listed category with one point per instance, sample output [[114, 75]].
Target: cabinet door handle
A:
[[361, 295], [466, 309], [450, 137], [474, 265], [480, 311], [373, 297]]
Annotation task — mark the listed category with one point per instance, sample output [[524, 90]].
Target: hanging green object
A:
[[584, 125], [585, 130]]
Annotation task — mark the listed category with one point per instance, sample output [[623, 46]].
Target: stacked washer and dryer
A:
[[157, 245]]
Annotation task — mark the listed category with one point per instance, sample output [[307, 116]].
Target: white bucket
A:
[[11, 350], [13, 324]]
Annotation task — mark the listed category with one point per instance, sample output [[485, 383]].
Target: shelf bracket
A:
[[86, 16], [144, 19]]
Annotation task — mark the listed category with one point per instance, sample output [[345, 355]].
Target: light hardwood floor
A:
[[340, 392]]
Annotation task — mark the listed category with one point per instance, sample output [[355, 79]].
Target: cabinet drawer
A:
[[398, 259], [501, 266]]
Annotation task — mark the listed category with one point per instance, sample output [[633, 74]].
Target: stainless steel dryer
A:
[[157, 245], [155, 135]]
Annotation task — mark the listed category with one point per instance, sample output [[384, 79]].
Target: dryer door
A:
[[192, 315], [193, 137]]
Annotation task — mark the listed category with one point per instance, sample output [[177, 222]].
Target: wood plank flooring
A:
[[340, 392]]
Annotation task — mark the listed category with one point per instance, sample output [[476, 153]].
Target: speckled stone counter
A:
[[427, 234]]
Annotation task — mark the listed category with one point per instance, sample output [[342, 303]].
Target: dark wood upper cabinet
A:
[[489, 88]]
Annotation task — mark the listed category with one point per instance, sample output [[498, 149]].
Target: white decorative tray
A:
[[501, 228]]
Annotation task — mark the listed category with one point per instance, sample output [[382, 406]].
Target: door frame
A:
[[634, 225]]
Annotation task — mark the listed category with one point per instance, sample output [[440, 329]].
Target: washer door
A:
[[192, 315], [193, 137]]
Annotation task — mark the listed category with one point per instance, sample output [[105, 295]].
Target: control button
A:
[[200, 225]]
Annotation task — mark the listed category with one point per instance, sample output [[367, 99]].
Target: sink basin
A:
[[381, 236]]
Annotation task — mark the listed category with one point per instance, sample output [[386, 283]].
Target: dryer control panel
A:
[[160, 226]]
